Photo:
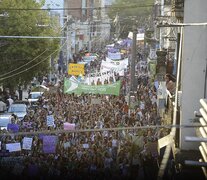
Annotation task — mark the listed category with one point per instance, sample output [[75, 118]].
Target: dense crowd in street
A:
[[100, 154]]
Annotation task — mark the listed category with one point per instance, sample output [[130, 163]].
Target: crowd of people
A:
[[101, 151]]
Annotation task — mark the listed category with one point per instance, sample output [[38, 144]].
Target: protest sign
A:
[[113, 50], [27, 143], [78, 88], [50, 120], [123, 51], [116, 66], [95, 101], [140, 36], [85, 146], [13, 147], [13, 128], [66, 145], [69, 126], [123, 62], [102, 76], [41, 136], [49, 144], [114, 55], [76, 69]]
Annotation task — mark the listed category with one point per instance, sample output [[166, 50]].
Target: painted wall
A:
[[193, 66]]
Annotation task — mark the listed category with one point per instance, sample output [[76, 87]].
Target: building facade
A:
[[88, 26], [194, 66]]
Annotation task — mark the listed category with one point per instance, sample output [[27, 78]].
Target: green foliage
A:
[[131, 12], [17, 52]]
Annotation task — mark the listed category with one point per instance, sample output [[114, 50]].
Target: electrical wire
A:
[[31, 60], [23, 65], [33, 65], [103, 129], [79, 8]]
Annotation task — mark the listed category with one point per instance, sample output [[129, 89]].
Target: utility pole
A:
[[67, 41], [132, 65], [133, 58]]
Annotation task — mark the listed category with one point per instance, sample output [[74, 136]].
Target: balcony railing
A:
[[202, 138]]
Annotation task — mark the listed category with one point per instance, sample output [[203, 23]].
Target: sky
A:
[[55, 4]]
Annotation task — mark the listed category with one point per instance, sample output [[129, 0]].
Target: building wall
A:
[[91, 25], [193, 66], [76, 4]]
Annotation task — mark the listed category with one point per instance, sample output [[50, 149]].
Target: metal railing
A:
[[202, 138]]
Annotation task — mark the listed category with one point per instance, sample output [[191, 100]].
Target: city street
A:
[[108, 89]]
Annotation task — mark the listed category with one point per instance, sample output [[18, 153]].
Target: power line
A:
[[23, 65], [103, 129], [33, 37], [32, 66], [32, 59], [79, 8]]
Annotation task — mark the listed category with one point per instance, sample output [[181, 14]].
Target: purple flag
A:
[[41, 136], [13, 127], [49, 144], [113, 50]]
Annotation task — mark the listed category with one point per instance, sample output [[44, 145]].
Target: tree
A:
[[25, 18], [126, 13]]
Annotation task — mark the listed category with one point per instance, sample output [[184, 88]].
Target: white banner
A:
[[13, 147], [102, 76], [114, 55], [118, 68], [27, 143], [85, 146], [124, 62], [140, 36]]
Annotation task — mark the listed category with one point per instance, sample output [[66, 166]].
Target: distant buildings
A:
[[88, 24]]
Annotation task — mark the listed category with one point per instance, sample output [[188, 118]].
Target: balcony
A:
[[201, 160], [178, 8]]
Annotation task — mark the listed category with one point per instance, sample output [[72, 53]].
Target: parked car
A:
[[20, 110], [5, 119], [33, 98]]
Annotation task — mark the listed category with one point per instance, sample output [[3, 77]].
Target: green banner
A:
[[71, 86]]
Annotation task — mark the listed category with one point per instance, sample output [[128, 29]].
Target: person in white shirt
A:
[[10, 101]]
